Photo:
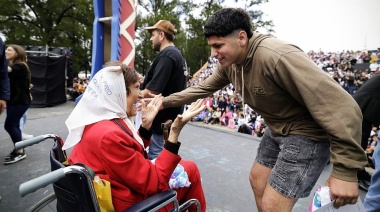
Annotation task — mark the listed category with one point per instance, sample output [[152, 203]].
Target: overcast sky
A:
[[330, 25]]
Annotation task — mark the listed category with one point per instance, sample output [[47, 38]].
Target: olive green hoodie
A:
[[294, 96]]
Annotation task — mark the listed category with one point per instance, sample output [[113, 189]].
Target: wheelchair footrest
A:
[[154, 202]]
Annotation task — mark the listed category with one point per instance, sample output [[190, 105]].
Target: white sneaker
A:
[[15, 158], [25, 136]]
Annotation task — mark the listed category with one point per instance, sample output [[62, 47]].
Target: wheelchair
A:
[[73, 186]]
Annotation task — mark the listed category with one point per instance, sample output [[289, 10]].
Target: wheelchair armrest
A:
[[32, 141], [155, 202]]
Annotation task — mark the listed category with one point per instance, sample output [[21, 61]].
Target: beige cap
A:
[[164, 26]]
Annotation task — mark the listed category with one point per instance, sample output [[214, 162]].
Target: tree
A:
[[197, 49], [55, 23], [189, 39], [160, 9], [62, 23], [257, 15]]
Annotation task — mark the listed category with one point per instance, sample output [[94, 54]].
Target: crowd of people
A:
[[79, 86], [341, 66], [227, 110], [225, 106]]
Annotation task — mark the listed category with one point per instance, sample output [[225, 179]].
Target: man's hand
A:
[[149, 94], [149, 111], [3, 106], [147, 97], [342, 192]]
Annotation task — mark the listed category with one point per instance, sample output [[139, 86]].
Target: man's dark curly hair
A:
[[227, 20]]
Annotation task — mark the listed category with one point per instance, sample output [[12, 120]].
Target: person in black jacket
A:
[[368, 99], [19, 80]]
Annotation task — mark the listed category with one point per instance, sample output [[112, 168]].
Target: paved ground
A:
[[224, 158]]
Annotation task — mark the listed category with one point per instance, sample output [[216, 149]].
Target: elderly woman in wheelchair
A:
[[104, 138]]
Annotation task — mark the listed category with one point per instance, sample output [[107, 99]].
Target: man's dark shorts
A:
[[296, 162]]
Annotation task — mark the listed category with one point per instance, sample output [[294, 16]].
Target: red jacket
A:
[[120, 159]]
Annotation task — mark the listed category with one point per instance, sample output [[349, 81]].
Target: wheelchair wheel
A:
[[43, 204]]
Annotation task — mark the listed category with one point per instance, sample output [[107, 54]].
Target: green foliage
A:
[[63, 23], [190, 39], [158, 10], [55, 23], [252, 8]]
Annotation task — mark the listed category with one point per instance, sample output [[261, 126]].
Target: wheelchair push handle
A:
[[32, 141], [40, 182]]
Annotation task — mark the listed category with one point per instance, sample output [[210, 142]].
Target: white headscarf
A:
[[105, 98]]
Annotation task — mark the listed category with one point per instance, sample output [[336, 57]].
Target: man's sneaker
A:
[[15, 158], [25, 136]]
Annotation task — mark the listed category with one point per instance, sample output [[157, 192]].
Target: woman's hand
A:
[[194, 109], [149, 111], [149, 96]]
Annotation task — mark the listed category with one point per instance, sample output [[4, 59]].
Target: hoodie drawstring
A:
[[242, 87]]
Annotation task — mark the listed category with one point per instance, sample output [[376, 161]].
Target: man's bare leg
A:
[[272, 201], [258, 179], [267, 199]]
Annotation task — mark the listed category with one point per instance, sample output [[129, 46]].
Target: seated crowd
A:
[[79, 86], [372, 143], [342, 67], [226, 110]]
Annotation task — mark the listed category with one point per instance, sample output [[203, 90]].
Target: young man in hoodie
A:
[[307, 113]]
